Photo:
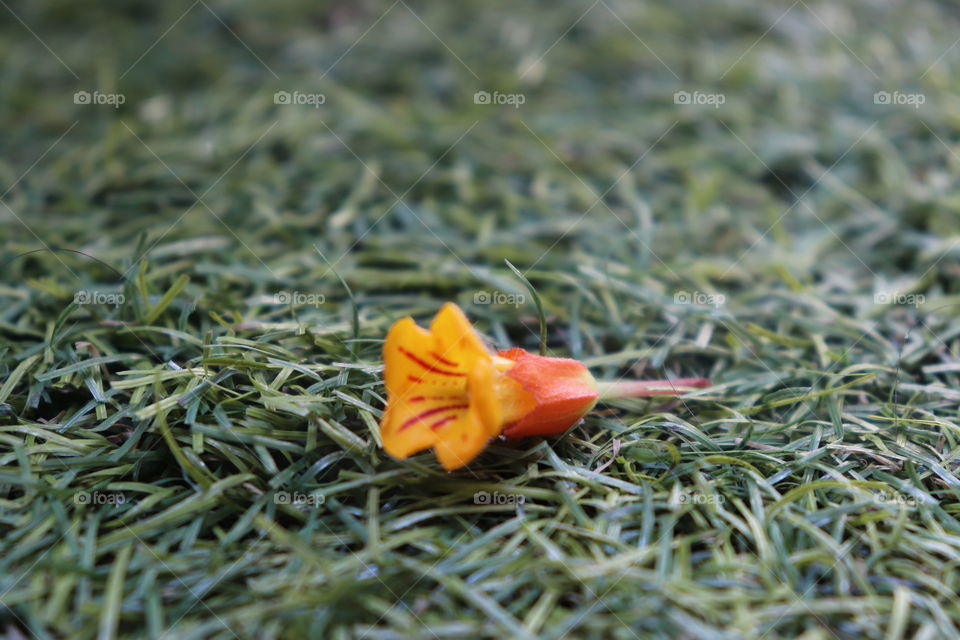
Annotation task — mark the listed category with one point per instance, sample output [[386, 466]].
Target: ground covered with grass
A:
[[212, 212]]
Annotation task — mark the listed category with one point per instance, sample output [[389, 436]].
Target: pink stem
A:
[[645, 388]]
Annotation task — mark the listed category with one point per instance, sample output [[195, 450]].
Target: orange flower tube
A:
[[448, 391]]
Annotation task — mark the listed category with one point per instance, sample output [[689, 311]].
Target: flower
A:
[[448, 391]]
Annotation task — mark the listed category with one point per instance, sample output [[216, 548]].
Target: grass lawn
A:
[[211, 213]]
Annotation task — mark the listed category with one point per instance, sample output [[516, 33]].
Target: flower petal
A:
[[483, 400], [456, 336], [461, 440], [415, 423], [414, 366]]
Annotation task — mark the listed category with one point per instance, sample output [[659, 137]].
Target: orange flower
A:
[[447, 390]]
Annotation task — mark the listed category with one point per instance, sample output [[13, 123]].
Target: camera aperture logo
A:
[[497, 498], [299, 98], [97, 98], [299, 499], [511, 99]]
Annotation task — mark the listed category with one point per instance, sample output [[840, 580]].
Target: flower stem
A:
[[644, 388]]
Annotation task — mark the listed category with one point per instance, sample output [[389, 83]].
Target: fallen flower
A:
[[447, 390]]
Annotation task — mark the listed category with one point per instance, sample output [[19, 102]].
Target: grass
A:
[[193, 451]]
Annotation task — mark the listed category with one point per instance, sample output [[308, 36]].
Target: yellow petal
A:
[[483, 397], [456, 336], [413, 365], [414, 424], [461, 441]]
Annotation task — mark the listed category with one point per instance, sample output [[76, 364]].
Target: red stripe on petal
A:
[[430, 412], [442, 421], [422, 398], [436, 356], [429, 367]]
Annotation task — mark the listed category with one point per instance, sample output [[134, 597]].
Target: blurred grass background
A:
[[796, 243]]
